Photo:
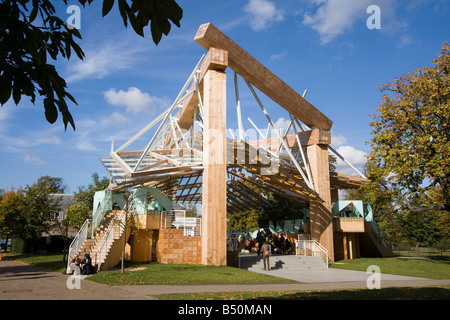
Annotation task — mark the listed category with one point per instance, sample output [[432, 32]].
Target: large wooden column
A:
[[214, 201], [320, 212]]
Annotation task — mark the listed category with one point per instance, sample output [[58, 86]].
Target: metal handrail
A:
[[77, 242], [315, 249], [172, 219], [108, 237]]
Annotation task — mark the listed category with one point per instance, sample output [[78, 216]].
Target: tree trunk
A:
[[417, 248], [124, 241]]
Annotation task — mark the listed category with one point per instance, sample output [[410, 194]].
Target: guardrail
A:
[[176, 219], [312, 248], [77, 242]]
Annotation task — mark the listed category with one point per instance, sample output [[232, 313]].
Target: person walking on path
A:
[[266, 254], [260, 240]]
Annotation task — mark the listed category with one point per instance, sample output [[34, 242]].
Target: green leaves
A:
[[159, 13], [26, 46], [411, 142], [107, 6], [24, 51]]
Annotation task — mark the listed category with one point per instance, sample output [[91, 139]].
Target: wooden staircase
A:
[[91, 246]]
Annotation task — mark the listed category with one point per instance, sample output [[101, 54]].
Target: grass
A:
[[48, 261], [422, 293], [432, 267], [157, 273]]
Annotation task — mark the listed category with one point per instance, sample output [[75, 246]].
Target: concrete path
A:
[[19, 281]]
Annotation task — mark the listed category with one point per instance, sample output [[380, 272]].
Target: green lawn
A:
[[432, 267], [49, 261], [423, 293], [157, 273]]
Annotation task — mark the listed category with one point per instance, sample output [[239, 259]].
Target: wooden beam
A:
[[216, 59], [208, 36], [214, 182], [307, 138], [320, 212]]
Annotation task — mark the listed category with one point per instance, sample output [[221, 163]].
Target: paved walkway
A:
[[19, 281]]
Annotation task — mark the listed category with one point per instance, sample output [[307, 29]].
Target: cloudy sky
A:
[[323, 46]]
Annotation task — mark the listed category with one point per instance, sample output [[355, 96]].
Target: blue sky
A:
[[322, 46]]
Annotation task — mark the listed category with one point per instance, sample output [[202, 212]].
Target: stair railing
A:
[[77, 242], [113, 232], [99, 212], [312, 248]]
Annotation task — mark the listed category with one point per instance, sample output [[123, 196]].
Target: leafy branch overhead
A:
[[142, 12], [30, 33]]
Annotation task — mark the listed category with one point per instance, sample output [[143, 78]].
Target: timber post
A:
[[214, 183]]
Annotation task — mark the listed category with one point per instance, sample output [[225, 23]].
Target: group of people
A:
[[267, 245], [282, 245], [278, 243], [85, 264]]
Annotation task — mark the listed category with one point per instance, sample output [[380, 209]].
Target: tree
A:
[[281, 208], [30, 33], [411, 138], [40, 211], [28, 213], [54, 185], [85, 195], [421, 227], [76, 215], [243, 220], [12, 205], [191, 211]]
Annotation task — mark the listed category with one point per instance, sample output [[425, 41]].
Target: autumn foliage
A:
[[411, 137]]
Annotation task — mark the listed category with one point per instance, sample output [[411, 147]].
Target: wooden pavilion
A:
[[191, 159]]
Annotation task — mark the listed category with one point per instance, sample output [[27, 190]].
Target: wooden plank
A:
[[262, 78]]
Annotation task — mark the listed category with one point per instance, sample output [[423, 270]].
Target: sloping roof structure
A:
[[277, 162]]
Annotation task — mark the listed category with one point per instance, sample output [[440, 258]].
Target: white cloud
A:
[[84, 144], [282, 123], [117, 118], [102, 60], [33, 159], [263, 14], [278, 55], [354, 156], [337, 141], [31, 139], [404, 41], [334, 17], [134, 100]]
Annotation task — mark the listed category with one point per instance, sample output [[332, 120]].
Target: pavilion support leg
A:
[[214, 202], [320, 212]]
